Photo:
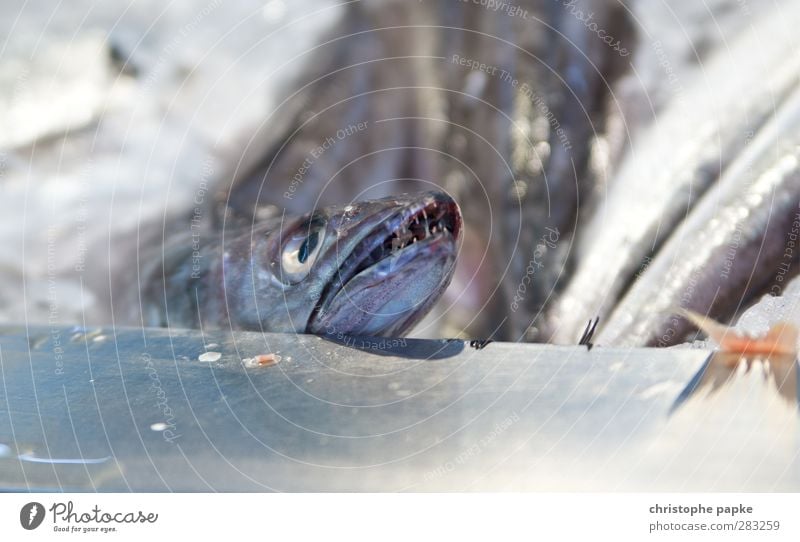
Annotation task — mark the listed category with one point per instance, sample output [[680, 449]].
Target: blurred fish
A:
[[370, 268], [497, 107], [669, 167], [513, 112], [581, 170], [733, 246]]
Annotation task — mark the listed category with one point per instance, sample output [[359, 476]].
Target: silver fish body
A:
[[739, 241], [512, 112], [671, 165], [369, 268], [566, 177]]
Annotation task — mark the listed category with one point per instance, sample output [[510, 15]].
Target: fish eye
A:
[[308, 246], [301, 249]]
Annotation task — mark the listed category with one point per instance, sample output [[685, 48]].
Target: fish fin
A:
[[780, 340], [782, 337], [715, 331]]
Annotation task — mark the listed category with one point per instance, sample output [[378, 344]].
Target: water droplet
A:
[[209, 356], [38, 342], [85, 335], [159, 426]]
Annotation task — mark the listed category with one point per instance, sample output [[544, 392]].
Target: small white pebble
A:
[[209, 356], [160, 426], [211, 345], [5, 451]]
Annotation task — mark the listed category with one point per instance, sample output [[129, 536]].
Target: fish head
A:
[[371, 268]]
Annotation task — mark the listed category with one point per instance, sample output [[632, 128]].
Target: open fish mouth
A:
[[435, 221], [392, 276]]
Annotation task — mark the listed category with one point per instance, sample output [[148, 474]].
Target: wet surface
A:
[[138, 411]]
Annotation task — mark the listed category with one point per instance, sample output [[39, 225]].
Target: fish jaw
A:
[[389, 297], [395, 272]]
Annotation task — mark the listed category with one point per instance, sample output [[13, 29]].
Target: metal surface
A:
[[90, 410]]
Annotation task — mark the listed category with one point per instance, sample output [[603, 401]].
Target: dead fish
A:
[[495, 106], [671, 165], [525, 132], [504, 110], [368, 268], [734, 245]]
